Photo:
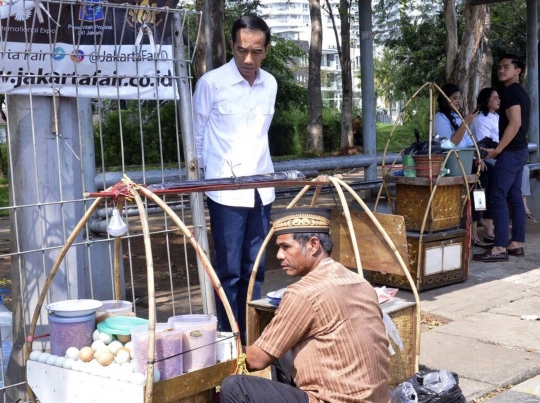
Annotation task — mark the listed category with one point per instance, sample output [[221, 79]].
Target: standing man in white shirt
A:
[[233, 107]]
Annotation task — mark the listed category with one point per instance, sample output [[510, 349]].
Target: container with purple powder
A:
[[66, 332]]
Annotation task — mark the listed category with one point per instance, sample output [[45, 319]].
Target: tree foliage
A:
[[407, 61]]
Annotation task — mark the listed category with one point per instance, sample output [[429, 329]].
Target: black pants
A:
[[252, 389]]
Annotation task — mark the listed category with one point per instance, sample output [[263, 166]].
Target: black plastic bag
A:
[[422, 148], [486, 142], [437, 387]]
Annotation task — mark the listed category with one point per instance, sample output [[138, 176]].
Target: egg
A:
[[73, 353], [122, 355], [137, 378], [124, 338], [97, 345], [129, 346], [59, 362], [51, 359], [115, 345], [86, 354], [105, 338], [68, 363], [95, 335], [43, 357], [101, 350], [34, 355], [105, 358]]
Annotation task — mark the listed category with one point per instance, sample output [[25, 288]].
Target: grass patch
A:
[[403, 137]]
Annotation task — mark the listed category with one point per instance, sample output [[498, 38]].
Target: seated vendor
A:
[[329, 319]]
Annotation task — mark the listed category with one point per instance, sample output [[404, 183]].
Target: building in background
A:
[[291, 20]]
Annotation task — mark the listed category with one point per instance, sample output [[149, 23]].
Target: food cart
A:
[[436, 209], [380, 246]]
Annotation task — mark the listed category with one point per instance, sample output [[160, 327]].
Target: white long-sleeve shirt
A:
[[486, 126], [231, 121]]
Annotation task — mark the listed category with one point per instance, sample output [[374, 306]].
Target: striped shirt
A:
[[332, 322]]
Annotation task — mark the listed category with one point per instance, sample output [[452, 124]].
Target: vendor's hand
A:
[[482, 166], [491, 152], [470, 117]]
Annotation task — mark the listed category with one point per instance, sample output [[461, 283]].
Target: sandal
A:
[[481, 244], [530, 217]]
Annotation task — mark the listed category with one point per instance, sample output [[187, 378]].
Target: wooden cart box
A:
[[402, 312], [53, 384], [443, 259], [412, 197]]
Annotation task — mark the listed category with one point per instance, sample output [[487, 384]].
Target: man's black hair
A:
[[324, 239], [516, 61], [252, 23]]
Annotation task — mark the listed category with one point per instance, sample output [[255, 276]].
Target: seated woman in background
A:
[[486, 124], [448, 124]]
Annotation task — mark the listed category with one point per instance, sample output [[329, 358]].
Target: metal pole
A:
[[190, 155], [368, 84], [532, 73]]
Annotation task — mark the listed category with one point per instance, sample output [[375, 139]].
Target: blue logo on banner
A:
[[90, 12], [59, 53]]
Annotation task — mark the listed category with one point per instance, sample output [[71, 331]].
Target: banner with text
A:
[[88, 49]]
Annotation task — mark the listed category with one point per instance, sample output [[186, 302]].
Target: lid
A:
[[71, 319], [120, 325], [74, 307], [192, 319], [161, 328], [115, 306]]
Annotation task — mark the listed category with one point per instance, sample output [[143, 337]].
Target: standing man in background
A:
[[233, 107], [511, 155]]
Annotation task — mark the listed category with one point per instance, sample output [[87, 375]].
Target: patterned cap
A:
[[301, 219]]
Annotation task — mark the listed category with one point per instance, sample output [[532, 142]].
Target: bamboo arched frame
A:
[[432, 88], [134, 191], [339, 184], [434, 182]]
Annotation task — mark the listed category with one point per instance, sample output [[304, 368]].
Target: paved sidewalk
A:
[[486, 342]]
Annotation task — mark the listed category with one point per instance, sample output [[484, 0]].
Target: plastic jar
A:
[[114, 308], [200, 336], [66, 332], [168, 349]]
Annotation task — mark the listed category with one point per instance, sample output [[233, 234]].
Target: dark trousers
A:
[[252, 389], [238, 233], [247, 388], [506, 190]]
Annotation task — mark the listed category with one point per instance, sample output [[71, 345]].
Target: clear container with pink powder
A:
[[199, 339]]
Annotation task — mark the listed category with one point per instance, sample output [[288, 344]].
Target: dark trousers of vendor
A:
[[238, 233], [253, 389], [506, 189]]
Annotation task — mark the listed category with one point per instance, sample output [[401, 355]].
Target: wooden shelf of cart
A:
[[402, 312], [440, 258], [412, 197]]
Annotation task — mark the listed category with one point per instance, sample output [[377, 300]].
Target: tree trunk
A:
[[315, 127], [467, 71], [199, 62], [344, 53], [487, 55], [450, 18], [218, 42]]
